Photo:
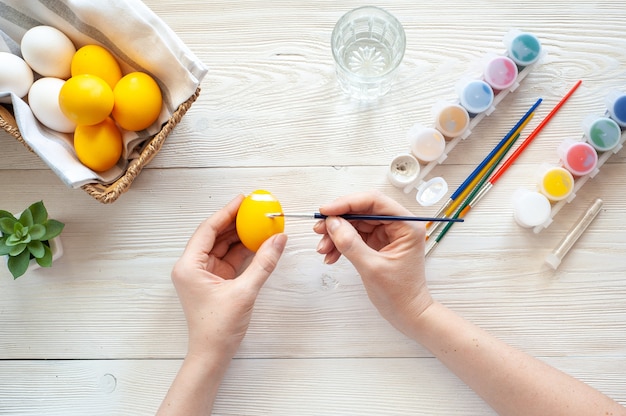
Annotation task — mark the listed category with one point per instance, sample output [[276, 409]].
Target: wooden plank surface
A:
[[373, 386], [102, 332]]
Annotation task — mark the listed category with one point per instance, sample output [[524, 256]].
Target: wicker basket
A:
[[109, 193]]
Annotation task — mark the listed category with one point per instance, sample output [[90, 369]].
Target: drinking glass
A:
[[368, 45]]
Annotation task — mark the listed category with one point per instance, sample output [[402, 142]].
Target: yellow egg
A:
[[99, 146], [138, 101], [253, 225], [98, 61], [86, 99]]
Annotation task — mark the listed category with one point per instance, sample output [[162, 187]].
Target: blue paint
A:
[[476, 97], [618, 112]]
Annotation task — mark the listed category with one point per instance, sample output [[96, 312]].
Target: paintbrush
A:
[[481, 190], [473, 197], [463, 190], [363, 217]]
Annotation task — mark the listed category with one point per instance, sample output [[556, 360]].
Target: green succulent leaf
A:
[[53, 229], [39, 212], [26, 219], [4, 248], [18, 249], [37, 232], [46, 259], [12, 240], [37, 249], [18, 264], [6, 214], [17, 239], [7, 224], [20, 231], [17, 228]]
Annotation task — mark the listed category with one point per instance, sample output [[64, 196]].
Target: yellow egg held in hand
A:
[[86, 99], [253, 224], [98, 146], [138, 101], [98, 61]]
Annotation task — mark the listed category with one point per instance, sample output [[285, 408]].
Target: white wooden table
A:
[[102, 332]]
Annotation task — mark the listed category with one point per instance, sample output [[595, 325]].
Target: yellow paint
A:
[[557, 183]]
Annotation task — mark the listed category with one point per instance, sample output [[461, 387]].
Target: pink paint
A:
[[500, 73], [579, 158]]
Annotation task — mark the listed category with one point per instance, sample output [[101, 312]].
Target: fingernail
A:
[[280, 241], [318, 225]]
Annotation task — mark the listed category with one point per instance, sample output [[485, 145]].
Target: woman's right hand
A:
[[389, 255]]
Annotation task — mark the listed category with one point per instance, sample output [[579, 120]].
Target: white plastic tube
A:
[[554, 258]]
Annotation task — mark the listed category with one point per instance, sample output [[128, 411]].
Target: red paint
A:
[[580, 159]]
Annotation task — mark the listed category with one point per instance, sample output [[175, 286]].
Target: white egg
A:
[[43, 99], [15, 76], [48, 51]]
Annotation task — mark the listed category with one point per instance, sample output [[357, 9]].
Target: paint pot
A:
[[501, 73], [555, 182], [530, 208], [427, 143], [580, 158], [616, 105], [475, 96], [602, 133], [452, 120], [404, 170], [523, 48]]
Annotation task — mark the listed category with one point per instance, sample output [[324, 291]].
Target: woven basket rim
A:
[[109, 193]]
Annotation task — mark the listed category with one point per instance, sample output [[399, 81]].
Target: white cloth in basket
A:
[[140, 41]]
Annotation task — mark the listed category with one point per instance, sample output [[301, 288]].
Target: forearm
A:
[[510, 381], [194, 389]]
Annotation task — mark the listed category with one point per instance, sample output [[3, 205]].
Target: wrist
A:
[[211, 346], [420, 321], [211, 363], [437, 325], [209, 355], [407, 318], [196, 385]]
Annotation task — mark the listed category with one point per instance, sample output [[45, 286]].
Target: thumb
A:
[[347, 240], [264, 261]]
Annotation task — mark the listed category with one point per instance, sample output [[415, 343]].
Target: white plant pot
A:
[[57, 251]]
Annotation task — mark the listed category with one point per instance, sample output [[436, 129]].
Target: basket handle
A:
[[7, 116]]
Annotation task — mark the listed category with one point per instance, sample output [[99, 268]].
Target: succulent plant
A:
[[27, 237]]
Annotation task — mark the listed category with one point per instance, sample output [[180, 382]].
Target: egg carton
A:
[[408, 173]]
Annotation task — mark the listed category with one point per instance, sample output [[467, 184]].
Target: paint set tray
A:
[[580, 181], [407, 171]]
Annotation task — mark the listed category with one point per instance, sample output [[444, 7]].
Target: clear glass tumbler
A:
[[368, 45]]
